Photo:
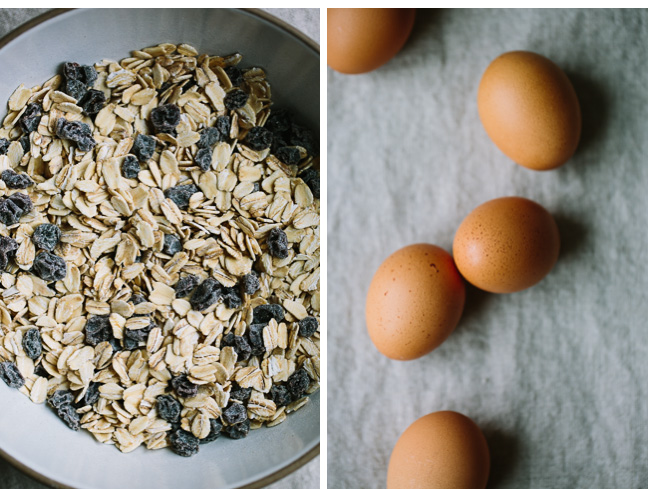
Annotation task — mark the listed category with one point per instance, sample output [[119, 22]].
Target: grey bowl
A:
[[31, 436]]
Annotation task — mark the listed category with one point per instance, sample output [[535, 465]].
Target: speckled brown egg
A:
[[363, 39], [506, 245], [415, 300], [530, 110], [443, 450]]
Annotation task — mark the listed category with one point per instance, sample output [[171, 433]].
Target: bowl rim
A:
[[310, 454]]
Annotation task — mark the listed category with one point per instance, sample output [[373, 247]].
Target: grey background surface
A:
[[306, 20], [557, 375]]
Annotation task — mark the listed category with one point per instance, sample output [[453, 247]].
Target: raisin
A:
[[71, 71], [186, 285], [312, 179], [60, 398], [298, 383], [8, 247], [300, 136], [10, 213], [70, 417], [97, 330], [206, 294], [144, 147], [215, 428], [232, 298], [137, 299], [235, 99], [30, 119], [240, 394], [22, 201], [88, 75], [255, 336], [91, 395], [75, 89], [16, 180], [168, 408], [25, 143], [137, 335], [238, 431], [130, 167], [130, 343], [236, 413], [277, 243], [258, 138], [240, 344], [93, 101], [265, 312], [250, 283], [308, 326], [76, 131], [203, 158], [49, 267], [289, 155], [235, 75], [165, 118], [46, 236], [279, 121], [11, 375], [183, 386], [4, 146], [184, 443], [31, 343], [280, 395], [208, 137], [224, 125], [180, 194], [172, 245]]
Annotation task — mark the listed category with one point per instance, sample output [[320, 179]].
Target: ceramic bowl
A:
[[31, 436]]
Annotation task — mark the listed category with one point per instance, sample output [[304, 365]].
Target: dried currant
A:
[[208, 137], [172, 245], [308, 326], [312, 179], [130, 167], [297, 383], [279, 122], [206, 294], [16, 180], [250, 283], [258, 138], [277, 243], [97, 330], [93, 101], [255, 337], [165, 118], [31, 343], [290, 155], [235, 75], [239, 430], [215, 428], [300, 136], [280, 395], [60, 398], [265, 312], [22, 201], [224, 125], [8, 247], [91, 395], [240, 345], [76, 131], [10, 213], [183, 386], [75, 89], [46, 236], [168, 408], [186, 285], [240, 394], [235, 99], [184, 443], [11, 375], [203, 158], [70, 417], [4, 146], [180, 194], [232, 298], [49, 267], [143, 147], [236, 413], [30, 119]]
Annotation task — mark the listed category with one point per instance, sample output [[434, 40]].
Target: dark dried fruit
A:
[[208, 137], [180, 194], [168, 408], [308, 326], [46, 236], [11, 375], [165, 118], [240, 394], [49, 267], [25, 143], [265, 312], [238, 431], [183, 386], [130, 167], [16, 180], [4, 146], [235, 75], [298, 383], [184, 443], [232, 298], [215, 428], [289, 155], [203, 159], [300, 136], [97, 330], [280, 121], [258, 138], [186, 285], [240, 345], [85, 74], [224, 125], [76, 131], [143, 147], [8, 247], [206, 294], [137, 299], [250, 283], [255, 336], [60, 398], [75, 89], [88, 75], [277, 243], [312, 179], [235, 99], [70, 417], [280, 395], [10, 213], [135, 336], [31, 343], [71, 71], [22, 201], [93, 101], [91, 395], [30, 119], [172, 245], [236, 413]]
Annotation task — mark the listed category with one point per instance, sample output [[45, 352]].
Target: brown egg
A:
[[506, 245], [414, 302], [529, 109], [362, 39], [443, 450]]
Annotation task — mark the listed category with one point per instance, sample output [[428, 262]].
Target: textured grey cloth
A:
[[557, 375], [306, 20]]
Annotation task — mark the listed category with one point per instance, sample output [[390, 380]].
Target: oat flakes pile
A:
[[159, 249]]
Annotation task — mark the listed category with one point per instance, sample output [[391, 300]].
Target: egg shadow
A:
[[573, 235], [476, 301], [504, 451], [427, 20]]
